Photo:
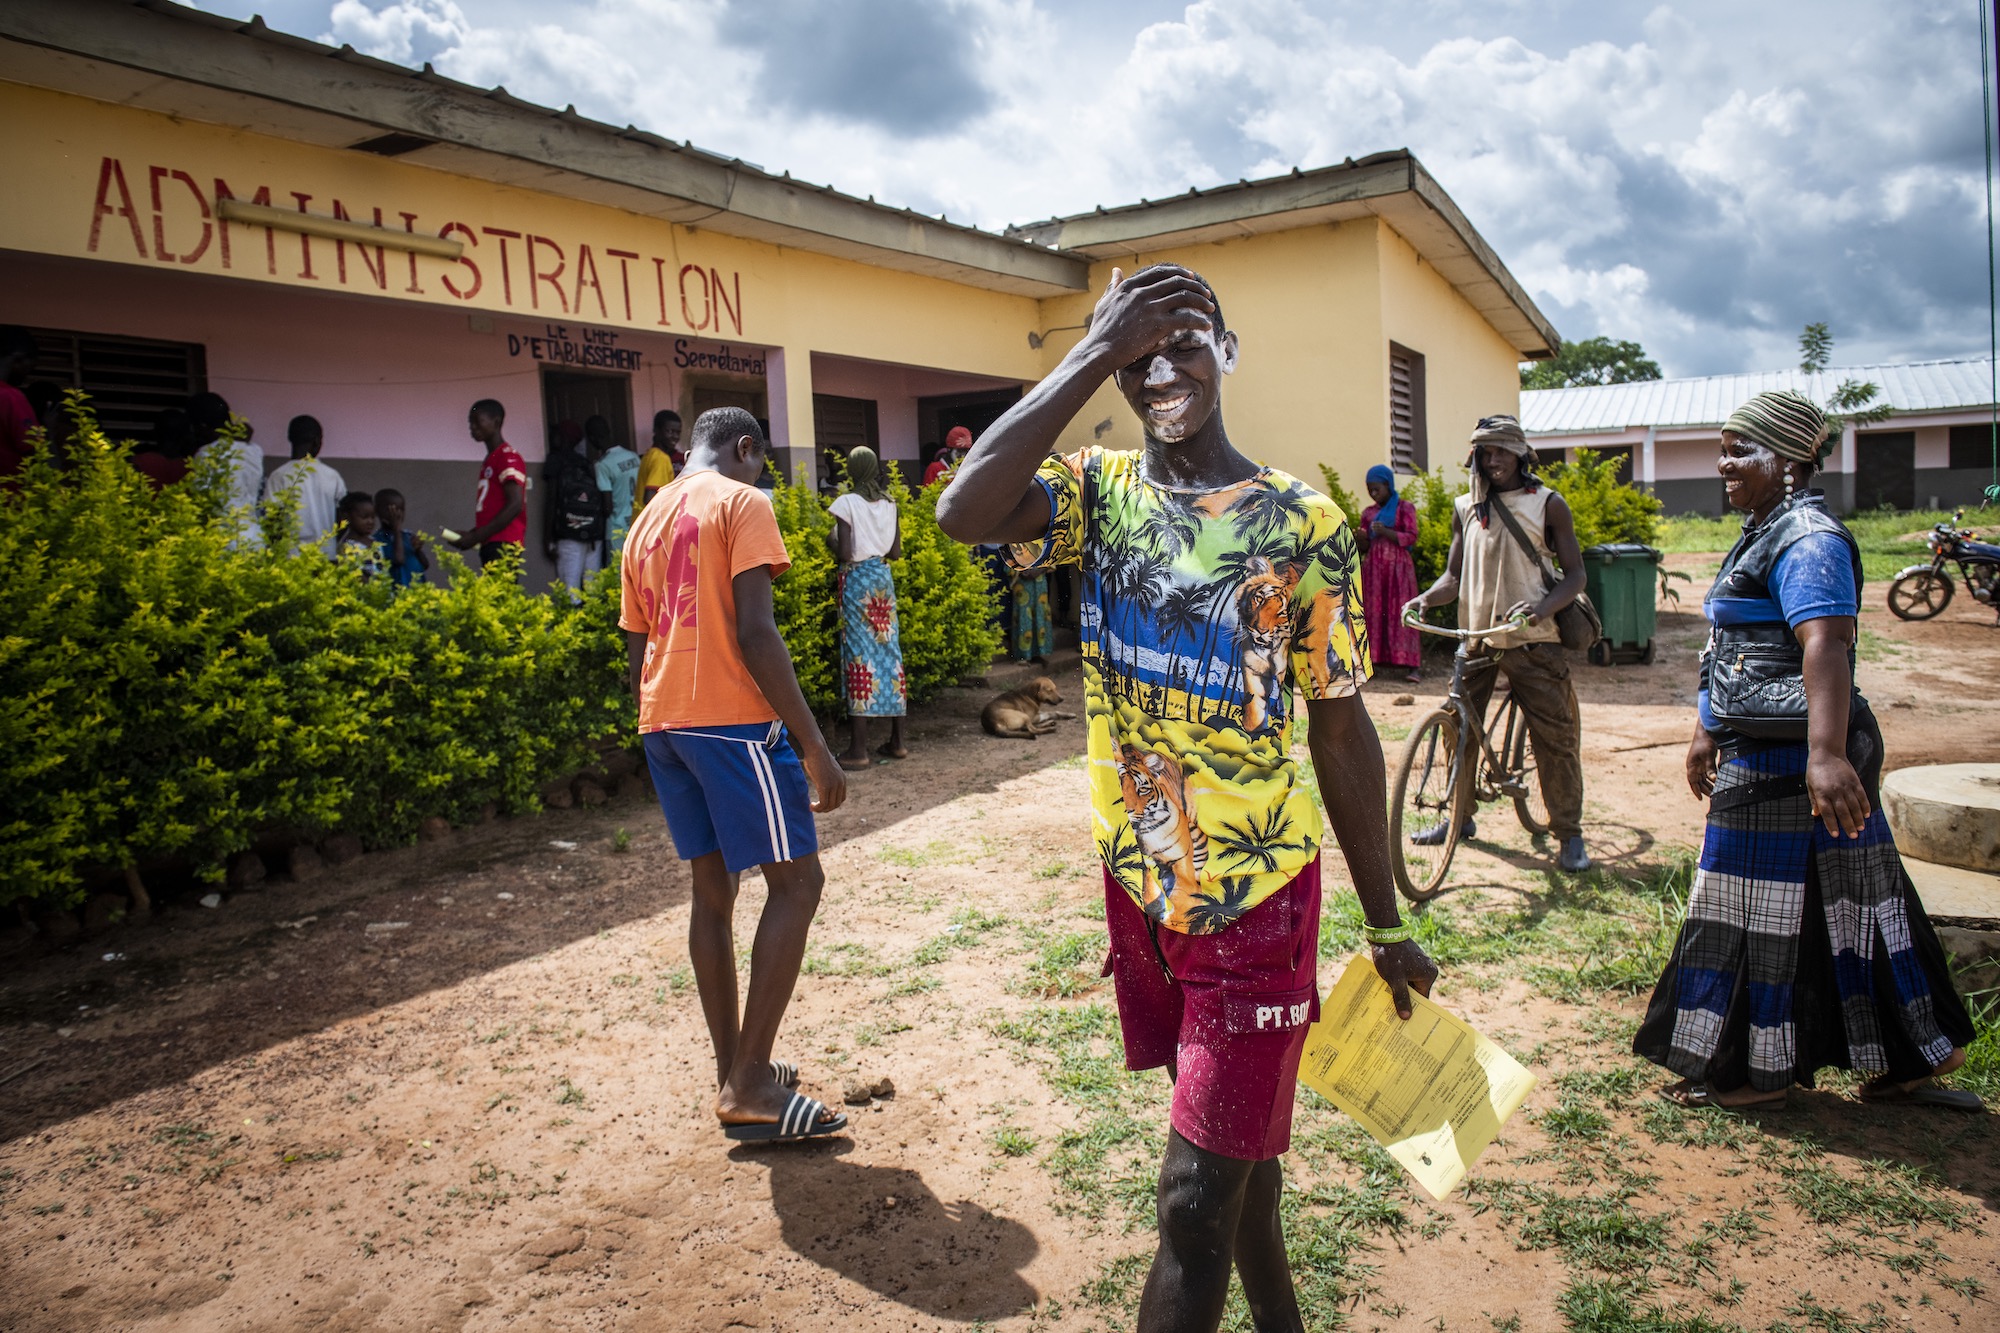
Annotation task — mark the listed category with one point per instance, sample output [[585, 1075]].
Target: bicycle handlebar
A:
[[1463, 635]]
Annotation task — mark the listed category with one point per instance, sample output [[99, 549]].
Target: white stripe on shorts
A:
[[781, 835]]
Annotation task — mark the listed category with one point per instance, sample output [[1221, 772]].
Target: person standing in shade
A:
[[867, 535], [1494, 579], [500, 522], [318, 487], [1805, 944], [618, 478], [162, 457], [1217, 591], [956, 441], [1030, 624], [658, 465], [243, 468], [17, 414], [574, 522], [403, 553], [1389, 574]]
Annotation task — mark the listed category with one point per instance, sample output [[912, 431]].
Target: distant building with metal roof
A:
[[1934, 449]]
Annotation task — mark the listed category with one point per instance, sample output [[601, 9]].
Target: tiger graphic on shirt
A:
[[1156, 802], [1263, 634]]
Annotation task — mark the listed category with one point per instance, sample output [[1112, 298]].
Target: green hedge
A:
[[165, 699]]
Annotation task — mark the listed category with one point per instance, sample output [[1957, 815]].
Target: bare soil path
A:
[[467, 1085]]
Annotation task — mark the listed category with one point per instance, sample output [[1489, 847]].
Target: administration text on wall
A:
[[167, 215]]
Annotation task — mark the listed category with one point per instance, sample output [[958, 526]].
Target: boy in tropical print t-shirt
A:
[[1214, 590]]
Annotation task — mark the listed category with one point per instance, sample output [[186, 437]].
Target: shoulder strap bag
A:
[[1578, 623]]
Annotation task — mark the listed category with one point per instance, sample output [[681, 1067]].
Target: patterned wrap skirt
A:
[[871, 651], [1800, 949]]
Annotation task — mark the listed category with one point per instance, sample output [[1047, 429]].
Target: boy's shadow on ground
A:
[[955, 1261]]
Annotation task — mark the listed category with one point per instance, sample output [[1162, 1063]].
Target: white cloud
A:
[[1704, 179]]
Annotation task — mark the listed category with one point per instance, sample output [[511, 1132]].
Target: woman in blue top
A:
[[1805, 944]]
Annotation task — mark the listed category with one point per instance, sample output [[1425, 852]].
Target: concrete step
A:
[[1964, 906], [1947, 813]]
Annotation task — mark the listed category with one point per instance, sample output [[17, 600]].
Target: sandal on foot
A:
[[785, 1073], [1699, 1096], [801, 1120], [1956, 1099], [853, 765], [887, 753]]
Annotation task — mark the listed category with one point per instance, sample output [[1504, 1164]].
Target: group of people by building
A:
[[1219, 595]]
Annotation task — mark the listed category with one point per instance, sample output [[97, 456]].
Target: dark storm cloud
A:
[[906, 66]]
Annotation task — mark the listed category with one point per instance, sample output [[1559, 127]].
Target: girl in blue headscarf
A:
[[1389, 574]]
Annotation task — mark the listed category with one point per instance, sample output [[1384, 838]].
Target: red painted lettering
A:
[[660, 276], [262, 198], [624, 277], [506, 267], [477, 281], [378, 268], [722, 300], [305, 242], [707, 304], [207, 227], [585, 264], [536, 277], [410, 225], [112, 172]]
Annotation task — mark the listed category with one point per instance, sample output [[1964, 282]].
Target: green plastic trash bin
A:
[[1623, 582]]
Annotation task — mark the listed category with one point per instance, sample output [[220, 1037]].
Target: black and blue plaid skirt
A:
[[1800, 949]]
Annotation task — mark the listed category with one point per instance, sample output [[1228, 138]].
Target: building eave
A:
[[245, 75], [1393, 186]]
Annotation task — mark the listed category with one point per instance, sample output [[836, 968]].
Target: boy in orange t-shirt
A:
[[697, 571]]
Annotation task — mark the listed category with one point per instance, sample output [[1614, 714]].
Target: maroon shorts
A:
[[1229, 1011]]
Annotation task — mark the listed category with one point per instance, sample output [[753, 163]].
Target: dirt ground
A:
[[468, 1086]]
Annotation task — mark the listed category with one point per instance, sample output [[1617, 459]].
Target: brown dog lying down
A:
[[1022, 714]]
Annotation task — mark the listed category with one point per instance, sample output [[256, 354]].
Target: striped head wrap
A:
[[1504, 432], [1784, 422]]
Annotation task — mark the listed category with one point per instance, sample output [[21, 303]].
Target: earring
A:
[[1788, 483]]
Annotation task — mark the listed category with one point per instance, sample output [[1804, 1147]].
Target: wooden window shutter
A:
[[843, 423], [1409, 439], [129, 380]]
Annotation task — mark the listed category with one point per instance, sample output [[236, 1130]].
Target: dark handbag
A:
[[1578, 624], [1757, 684]]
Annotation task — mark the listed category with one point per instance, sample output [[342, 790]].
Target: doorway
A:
[[571, 396], [974, 411], [1885, 469]]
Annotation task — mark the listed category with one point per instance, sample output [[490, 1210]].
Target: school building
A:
[[1935, 448], [197, 202]]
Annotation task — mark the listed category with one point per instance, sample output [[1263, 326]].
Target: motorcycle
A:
[[1922, 591]]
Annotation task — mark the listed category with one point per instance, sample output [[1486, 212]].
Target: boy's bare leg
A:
[[1261, 1260], [1200, 1207], [712, 951], [750, 1093]]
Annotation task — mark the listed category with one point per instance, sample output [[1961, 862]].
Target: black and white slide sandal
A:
[[786, 1073], [801, 1120]]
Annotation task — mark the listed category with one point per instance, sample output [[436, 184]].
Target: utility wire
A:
[[1986, 57]]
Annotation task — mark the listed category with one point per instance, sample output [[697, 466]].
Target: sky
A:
[[1703, 177]]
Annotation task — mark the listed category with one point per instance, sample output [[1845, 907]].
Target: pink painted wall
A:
[[386, 379], [895, 390]]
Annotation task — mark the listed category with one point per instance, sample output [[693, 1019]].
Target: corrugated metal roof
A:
[[1707, 400]]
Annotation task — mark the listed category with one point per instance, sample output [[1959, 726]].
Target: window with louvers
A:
[[843, 423], [1409, 441], [129, 380]]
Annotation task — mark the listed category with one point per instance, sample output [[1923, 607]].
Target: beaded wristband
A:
[[1389, 934]]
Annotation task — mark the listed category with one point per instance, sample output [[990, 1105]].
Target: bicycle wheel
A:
[[1516, 749], [1428, 804], [1920, 596]]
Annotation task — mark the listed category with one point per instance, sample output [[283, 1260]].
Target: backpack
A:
[[579, 510]]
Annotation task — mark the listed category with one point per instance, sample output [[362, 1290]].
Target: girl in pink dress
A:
[[1389, 574]]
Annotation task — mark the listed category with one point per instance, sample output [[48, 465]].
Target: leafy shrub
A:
[[944, 603], [169, 698], [806, 600], [1434, 498], [1350, 503], [1605, 509]]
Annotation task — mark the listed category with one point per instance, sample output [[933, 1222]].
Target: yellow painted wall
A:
[[1470, 370], [134, 187], [1305, 306]]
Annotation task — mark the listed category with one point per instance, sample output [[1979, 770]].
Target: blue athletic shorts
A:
[[739, 790]]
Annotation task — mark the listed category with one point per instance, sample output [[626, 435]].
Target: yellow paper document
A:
[[1430, 1090]]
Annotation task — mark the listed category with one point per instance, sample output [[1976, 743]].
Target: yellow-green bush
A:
[[164, 698]]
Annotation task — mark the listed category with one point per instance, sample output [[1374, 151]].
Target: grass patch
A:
[[967, 928], [1879, 533], [1012, 1141], [1065, 966], [1594, 1305], [847, 959]]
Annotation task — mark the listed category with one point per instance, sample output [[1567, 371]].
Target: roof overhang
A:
[[1392, 186], [244, 75]]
